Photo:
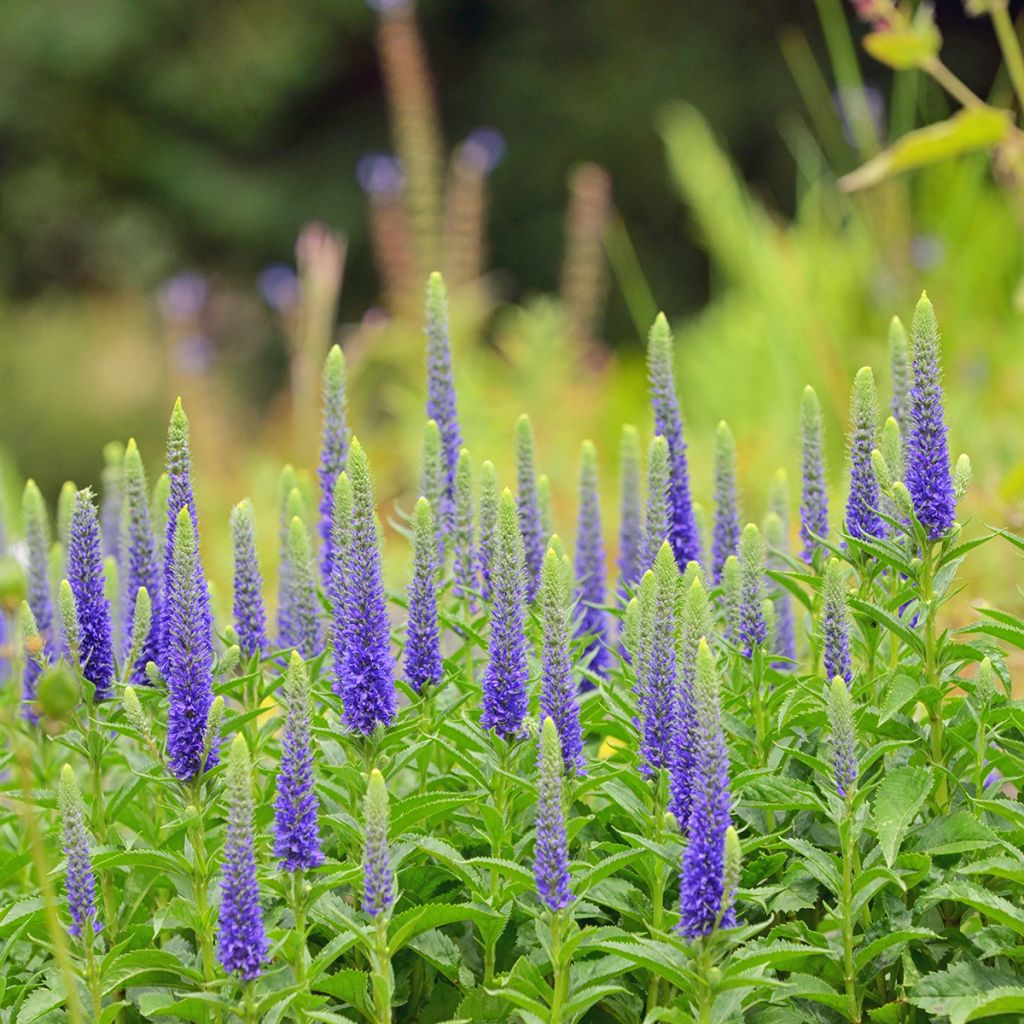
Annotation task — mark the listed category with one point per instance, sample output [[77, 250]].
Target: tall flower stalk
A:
[[365, 678], [504, 683], [464, 568], [725, 537], [668, 422], [296, 828], [378, 892], [656, 663], [528, 505], [242, 940], [188, 639], [249, 615], [488, 522], [441, 403], [422, 639], [658, 526], [179, 496], [40, 599], [631, 535], [551, 859], [559, 701], [844, 765], [862, 518], [140, 565], [590, 567], [705, 901], [928, 474], [814, 485], [333, 450], [86, 576], [80, 881], [835, 623]]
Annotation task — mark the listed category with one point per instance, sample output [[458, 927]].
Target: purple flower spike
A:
[[487, 525], [928, 474], [296, 833], [85, 574], [590, 583], [835, 623], [378, 877], [551, 856], [844, 748], [656, 662], [504, 682], [140, 561], [631, 534], [705, 892], [753, 630], [668, 422], [696, 625], [423, 642], [333, 451], [814, 493], [366, 682], [862, 518], [243, 944], [528, 502], [188, 640], [441, 405], [80, 880], [725, 537], [249, 616], [179, 496], [558, 696], [40, 598]]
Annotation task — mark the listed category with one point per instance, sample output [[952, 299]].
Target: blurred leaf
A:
[[965, 132]]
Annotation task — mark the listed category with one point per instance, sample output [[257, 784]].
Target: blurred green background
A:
[[141, 141]]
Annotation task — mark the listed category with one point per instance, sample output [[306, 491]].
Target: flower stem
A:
[[935, 721], [1010, 45], [846, 915], [383, 979], [199, 879], [559, 969], [704, 994]]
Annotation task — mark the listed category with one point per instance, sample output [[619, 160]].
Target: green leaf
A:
[[867, 954], [994, 907], [966, 992], [141, 963], [958, 832], [350, 986], [904, 48], [900, 796], [423, 806], [431, 915], [965, 132]]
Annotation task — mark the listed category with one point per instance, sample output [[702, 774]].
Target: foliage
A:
[[851, 852]]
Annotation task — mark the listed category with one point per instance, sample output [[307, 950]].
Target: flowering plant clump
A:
[[760, 779]]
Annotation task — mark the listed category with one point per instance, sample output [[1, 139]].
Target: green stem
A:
[[199, 879], [846, 913], [93, 973], [982, 749], [705, 995], [1010, 45], [297, 898], [559, 969], [658, 881], [249, 1012], [935, 720], [490, 946], [383, 979]]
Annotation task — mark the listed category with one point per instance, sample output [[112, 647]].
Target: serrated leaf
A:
[[900, 796], [967, 991], [432, 915], [994, 907], [867, 954]]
